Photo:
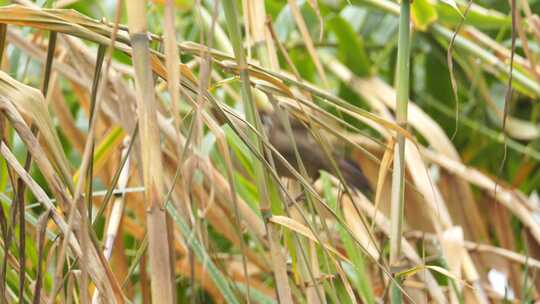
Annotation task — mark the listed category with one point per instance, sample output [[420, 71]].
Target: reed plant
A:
[[139, 161]]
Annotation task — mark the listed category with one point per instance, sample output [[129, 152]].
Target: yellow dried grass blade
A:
[[31, 103], [305, 231]]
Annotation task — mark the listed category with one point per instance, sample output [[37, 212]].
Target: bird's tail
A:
[[354, 176]]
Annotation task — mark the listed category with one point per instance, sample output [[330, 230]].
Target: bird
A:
[[312, 156]]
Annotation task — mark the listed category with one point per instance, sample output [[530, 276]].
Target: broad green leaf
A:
[[241, 151], [477, 16], [351, 46], [453, 5], [423, 14]]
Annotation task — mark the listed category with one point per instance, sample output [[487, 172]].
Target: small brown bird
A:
[[312, 155]]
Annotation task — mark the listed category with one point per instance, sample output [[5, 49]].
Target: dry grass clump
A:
[[136, 166]]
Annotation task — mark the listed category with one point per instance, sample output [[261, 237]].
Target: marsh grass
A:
[[135, 166]]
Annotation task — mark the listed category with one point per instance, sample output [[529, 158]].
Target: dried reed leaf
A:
[[159, 227], [359, 230], [384, 168], [438, 269], [31, 103], [452, 243], [64, 21], [511, 199], [304, 231], [383, 223], [101, 275]]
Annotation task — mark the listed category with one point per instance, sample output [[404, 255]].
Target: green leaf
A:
[[222, 283], [241, 151], [453, 5], [361, 278], [423, 14], [477, 16], [351, 46]]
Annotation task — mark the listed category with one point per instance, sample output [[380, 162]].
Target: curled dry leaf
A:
[[31, 103]]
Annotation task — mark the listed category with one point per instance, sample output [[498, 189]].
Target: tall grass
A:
[[138, 166], [402, 104]]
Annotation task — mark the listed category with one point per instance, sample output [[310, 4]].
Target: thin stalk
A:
[[263, 181], [160, 255], [398, 175], [21, 187]]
